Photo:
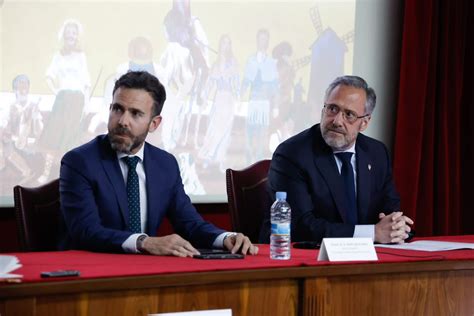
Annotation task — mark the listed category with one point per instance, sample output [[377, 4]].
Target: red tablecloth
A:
[[100, 265]]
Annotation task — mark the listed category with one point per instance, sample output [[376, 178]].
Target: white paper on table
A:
[[10, 276], [210, 312], [8, 264], [430, 245]]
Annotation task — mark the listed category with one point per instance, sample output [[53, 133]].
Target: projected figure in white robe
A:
[[188, 41], [224, 83], [68, 78], [262, 77]]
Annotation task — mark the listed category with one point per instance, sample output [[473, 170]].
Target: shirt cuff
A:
[[219, 241], [367, 231], [130, 244]]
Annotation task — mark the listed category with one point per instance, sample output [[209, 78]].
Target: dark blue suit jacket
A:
[[94, 199], [305, 168]]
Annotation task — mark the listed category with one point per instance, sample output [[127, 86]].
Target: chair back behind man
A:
[[37, 213], [248, 198]]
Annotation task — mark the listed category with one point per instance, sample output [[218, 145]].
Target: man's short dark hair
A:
[[359, 83], [145, 81]]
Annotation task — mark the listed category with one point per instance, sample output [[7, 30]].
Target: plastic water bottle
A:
[[280, 240]]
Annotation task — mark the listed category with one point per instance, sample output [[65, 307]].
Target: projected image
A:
[[68, 78], [223, 86], [240, 76]]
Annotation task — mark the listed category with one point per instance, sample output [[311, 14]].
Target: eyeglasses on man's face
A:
[[349, 116]]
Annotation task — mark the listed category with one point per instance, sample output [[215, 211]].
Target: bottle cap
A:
[[280, 195]]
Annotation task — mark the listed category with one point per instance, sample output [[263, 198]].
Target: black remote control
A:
[[60, 273]]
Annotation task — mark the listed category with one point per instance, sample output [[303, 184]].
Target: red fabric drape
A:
[[433, 152]]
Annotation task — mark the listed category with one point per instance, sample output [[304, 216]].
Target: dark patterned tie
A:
[[348, 175], [133, 194]]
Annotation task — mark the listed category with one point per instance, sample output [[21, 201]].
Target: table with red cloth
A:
[[401, 281]]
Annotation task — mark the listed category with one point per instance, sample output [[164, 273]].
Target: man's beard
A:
[[335, 141], [125, 145]]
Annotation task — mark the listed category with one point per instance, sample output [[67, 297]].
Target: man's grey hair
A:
[[356, 82]]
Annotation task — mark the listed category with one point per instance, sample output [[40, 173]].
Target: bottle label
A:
[[280, 228]]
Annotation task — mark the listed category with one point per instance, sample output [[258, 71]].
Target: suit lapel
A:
[[155, 178], [326, 164], [112, 169], [364, 170]]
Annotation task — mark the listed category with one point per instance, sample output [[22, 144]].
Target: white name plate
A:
[[347, 249]]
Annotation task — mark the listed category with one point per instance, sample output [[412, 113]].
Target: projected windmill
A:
[[326, 59]]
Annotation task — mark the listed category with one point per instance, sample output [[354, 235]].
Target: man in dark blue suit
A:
[[116, 189], [339, 182]]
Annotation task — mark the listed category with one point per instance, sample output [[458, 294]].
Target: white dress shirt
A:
[[130, 244]]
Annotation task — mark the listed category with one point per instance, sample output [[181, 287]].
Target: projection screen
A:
[[240, 76]]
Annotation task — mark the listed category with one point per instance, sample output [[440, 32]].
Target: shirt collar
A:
[[349, 150], [139, 154]]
